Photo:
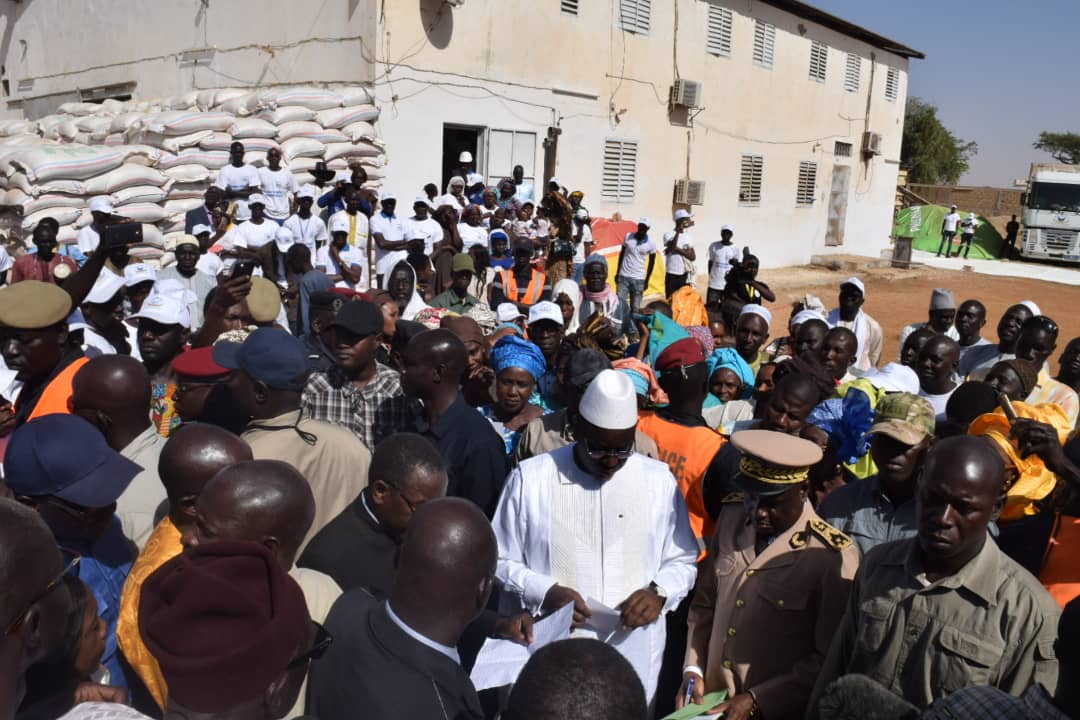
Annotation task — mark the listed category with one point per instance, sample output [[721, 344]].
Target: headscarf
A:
[[644, 379], [1036, 481], [466, 328], [703, 336], [662, 332], [846, 422], [416, 303], [484, 316], [513, 352], [1026, 371], [729, 358], [572, 290], [431, 318]]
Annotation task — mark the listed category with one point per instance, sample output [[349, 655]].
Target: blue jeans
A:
[[630, 291]]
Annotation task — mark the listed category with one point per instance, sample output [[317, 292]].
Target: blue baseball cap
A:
[[268, 355], [65, 456]]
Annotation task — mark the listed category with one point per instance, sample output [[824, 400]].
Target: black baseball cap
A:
[[360, 317]]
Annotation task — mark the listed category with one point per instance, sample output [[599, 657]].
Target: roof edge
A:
[[840, 25]]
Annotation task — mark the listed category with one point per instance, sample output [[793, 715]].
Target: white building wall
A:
[[470, 65]]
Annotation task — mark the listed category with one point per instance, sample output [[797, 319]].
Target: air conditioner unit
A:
[[686, 93], [871, 144], [689, 192]]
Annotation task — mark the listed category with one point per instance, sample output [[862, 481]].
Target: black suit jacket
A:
[[373, 669], [198, 216], [355, 551]]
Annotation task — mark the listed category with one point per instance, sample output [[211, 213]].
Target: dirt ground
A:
[[897, 297]]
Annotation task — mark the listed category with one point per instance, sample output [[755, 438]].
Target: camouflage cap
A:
[[904, 417]]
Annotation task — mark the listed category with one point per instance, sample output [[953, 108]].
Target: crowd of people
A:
[[314, 463]]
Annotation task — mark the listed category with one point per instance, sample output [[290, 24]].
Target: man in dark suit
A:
[[359, 548], [398, 658], [202, 215]]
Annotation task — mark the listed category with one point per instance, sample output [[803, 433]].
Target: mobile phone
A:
[[245, 266], [123, 234], [1006, 407]]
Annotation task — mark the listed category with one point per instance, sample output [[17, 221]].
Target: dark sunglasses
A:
[[80, 513], [18, 619], [601, 453], [322, 640]]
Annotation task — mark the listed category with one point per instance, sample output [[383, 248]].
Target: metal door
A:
[[838, 197]]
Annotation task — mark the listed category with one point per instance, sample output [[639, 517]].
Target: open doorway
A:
[[456, 140]]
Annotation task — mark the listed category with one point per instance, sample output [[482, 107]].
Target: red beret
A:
[[344, 292], [223, 619], [680, 353], [198, 363]]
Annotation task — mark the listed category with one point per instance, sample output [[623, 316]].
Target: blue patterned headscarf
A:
[[513, 352], [729, 358], [846, 422]]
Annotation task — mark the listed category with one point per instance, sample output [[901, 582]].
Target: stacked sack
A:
[[155, 158]]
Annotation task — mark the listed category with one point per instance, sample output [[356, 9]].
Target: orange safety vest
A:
[[532, 292], [1061, 562], [54, 398], [688, 451]]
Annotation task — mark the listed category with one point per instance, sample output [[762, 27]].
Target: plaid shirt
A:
[[372, 412], [989, 703]]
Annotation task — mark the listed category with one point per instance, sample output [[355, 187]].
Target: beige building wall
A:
[[53, 49], [538, 67]]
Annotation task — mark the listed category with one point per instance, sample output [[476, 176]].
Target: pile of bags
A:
[[155, 158]]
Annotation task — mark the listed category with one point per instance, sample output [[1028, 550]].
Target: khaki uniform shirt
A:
[[335, 466], [989, 624], [552, 431], [763, 623]]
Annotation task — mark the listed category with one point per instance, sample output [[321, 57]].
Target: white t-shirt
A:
[[352, 256], [471, 236], [277, 186], [938, 401], [951, 221], [358, 228], [253, 236], [721, 255], [238, 178], [635, 255], [967, 227], [392, 229], [579, 248], [210, 264], [87, 239], [427, 228], [676, 264], [310, 232]]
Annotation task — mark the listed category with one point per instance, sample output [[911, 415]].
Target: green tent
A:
[[923, 223]]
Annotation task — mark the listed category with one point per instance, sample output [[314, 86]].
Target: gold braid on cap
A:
[[766, 473]]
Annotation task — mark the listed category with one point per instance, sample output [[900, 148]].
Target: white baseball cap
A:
[[755, 309], [728, 228], [894, 377], [682, 214], [388, 196], [856, 282], [474, 179], [338, 224], [644, 221], [102, 204], [465, 156], [423, 200], [508, 312], [545, 310], [257, 199], [139, 273], [105, 287], [200, 229], [610, 402], [167, 304], [284, 238], [307, 191], [554, 180]]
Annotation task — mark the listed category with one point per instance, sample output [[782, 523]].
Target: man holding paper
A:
[[599, 526], [772, 590]]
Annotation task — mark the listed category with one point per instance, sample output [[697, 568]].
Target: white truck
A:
[[1051, 213]]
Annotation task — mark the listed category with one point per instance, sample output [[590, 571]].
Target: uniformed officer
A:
[[773, 589]]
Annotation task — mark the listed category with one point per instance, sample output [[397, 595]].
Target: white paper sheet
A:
[[632, 644], [500, 661]]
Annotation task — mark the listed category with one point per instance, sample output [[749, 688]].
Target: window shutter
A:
[[750, 179], [718, 33], [634, 15], [804, 195], [619, 173], [819, 60], [764, 43], [892, 84], [842, 149], [570, 7], [852, 71]]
